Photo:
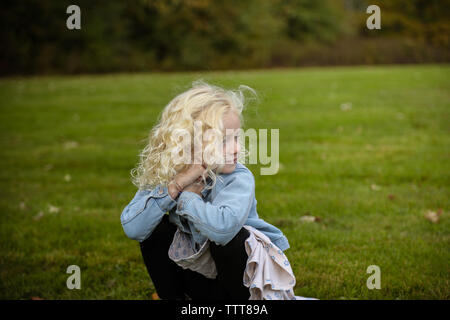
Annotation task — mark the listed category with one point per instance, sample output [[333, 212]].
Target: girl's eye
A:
[[235, 138]]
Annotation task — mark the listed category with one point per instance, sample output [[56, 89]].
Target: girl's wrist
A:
[[174, 189], [173, 192]]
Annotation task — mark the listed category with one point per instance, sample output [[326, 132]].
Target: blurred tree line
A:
[[145, 35]]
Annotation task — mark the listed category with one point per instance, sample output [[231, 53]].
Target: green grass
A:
[[396, 136]]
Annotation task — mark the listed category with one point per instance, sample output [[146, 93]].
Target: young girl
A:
[[211, 197]]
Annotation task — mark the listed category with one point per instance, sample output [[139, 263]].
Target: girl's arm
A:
[[145, 211], [221, 219]]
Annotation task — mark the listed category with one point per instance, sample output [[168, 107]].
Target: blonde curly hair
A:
[[202, 102]]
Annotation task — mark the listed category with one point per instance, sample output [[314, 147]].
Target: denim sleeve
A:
[[145, 211], [221, 219]]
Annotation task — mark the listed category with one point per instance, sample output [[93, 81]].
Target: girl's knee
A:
[[237, 243]]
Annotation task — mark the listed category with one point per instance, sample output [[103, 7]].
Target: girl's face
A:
[[231, 148]]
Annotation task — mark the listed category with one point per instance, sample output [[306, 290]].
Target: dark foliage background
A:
[[150, 35]]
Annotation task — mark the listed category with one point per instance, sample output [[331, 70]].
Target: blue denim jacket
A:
[[217, 215]]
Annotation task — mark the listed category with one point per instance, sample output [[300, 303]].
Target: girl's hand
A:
[[186, 180], [196, 187], [193, 173]]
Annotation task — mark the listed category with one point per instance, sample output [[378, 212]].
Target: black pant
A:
[[173, 282]]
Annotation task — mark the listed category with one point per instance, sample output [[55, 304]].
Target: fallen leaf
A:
[[155, 296], [70, 145], [22, 206], [346, 106], [309, 219], [53, 209], [433, 216], [391, 196], [38, 216], [375, 187]]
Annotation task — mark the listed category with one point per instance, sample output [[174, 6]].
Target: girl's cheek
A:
[[225, 150], [228, 147]]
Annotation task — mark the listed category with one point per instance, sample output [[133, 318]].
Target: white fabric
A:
[[197, 259], [268, 274]]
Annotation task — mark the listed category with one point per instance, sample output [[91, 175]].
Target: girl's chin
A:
[[228, 168]]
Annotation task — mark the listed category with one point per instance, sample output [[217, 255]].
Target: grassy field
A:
[[365, 149]]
